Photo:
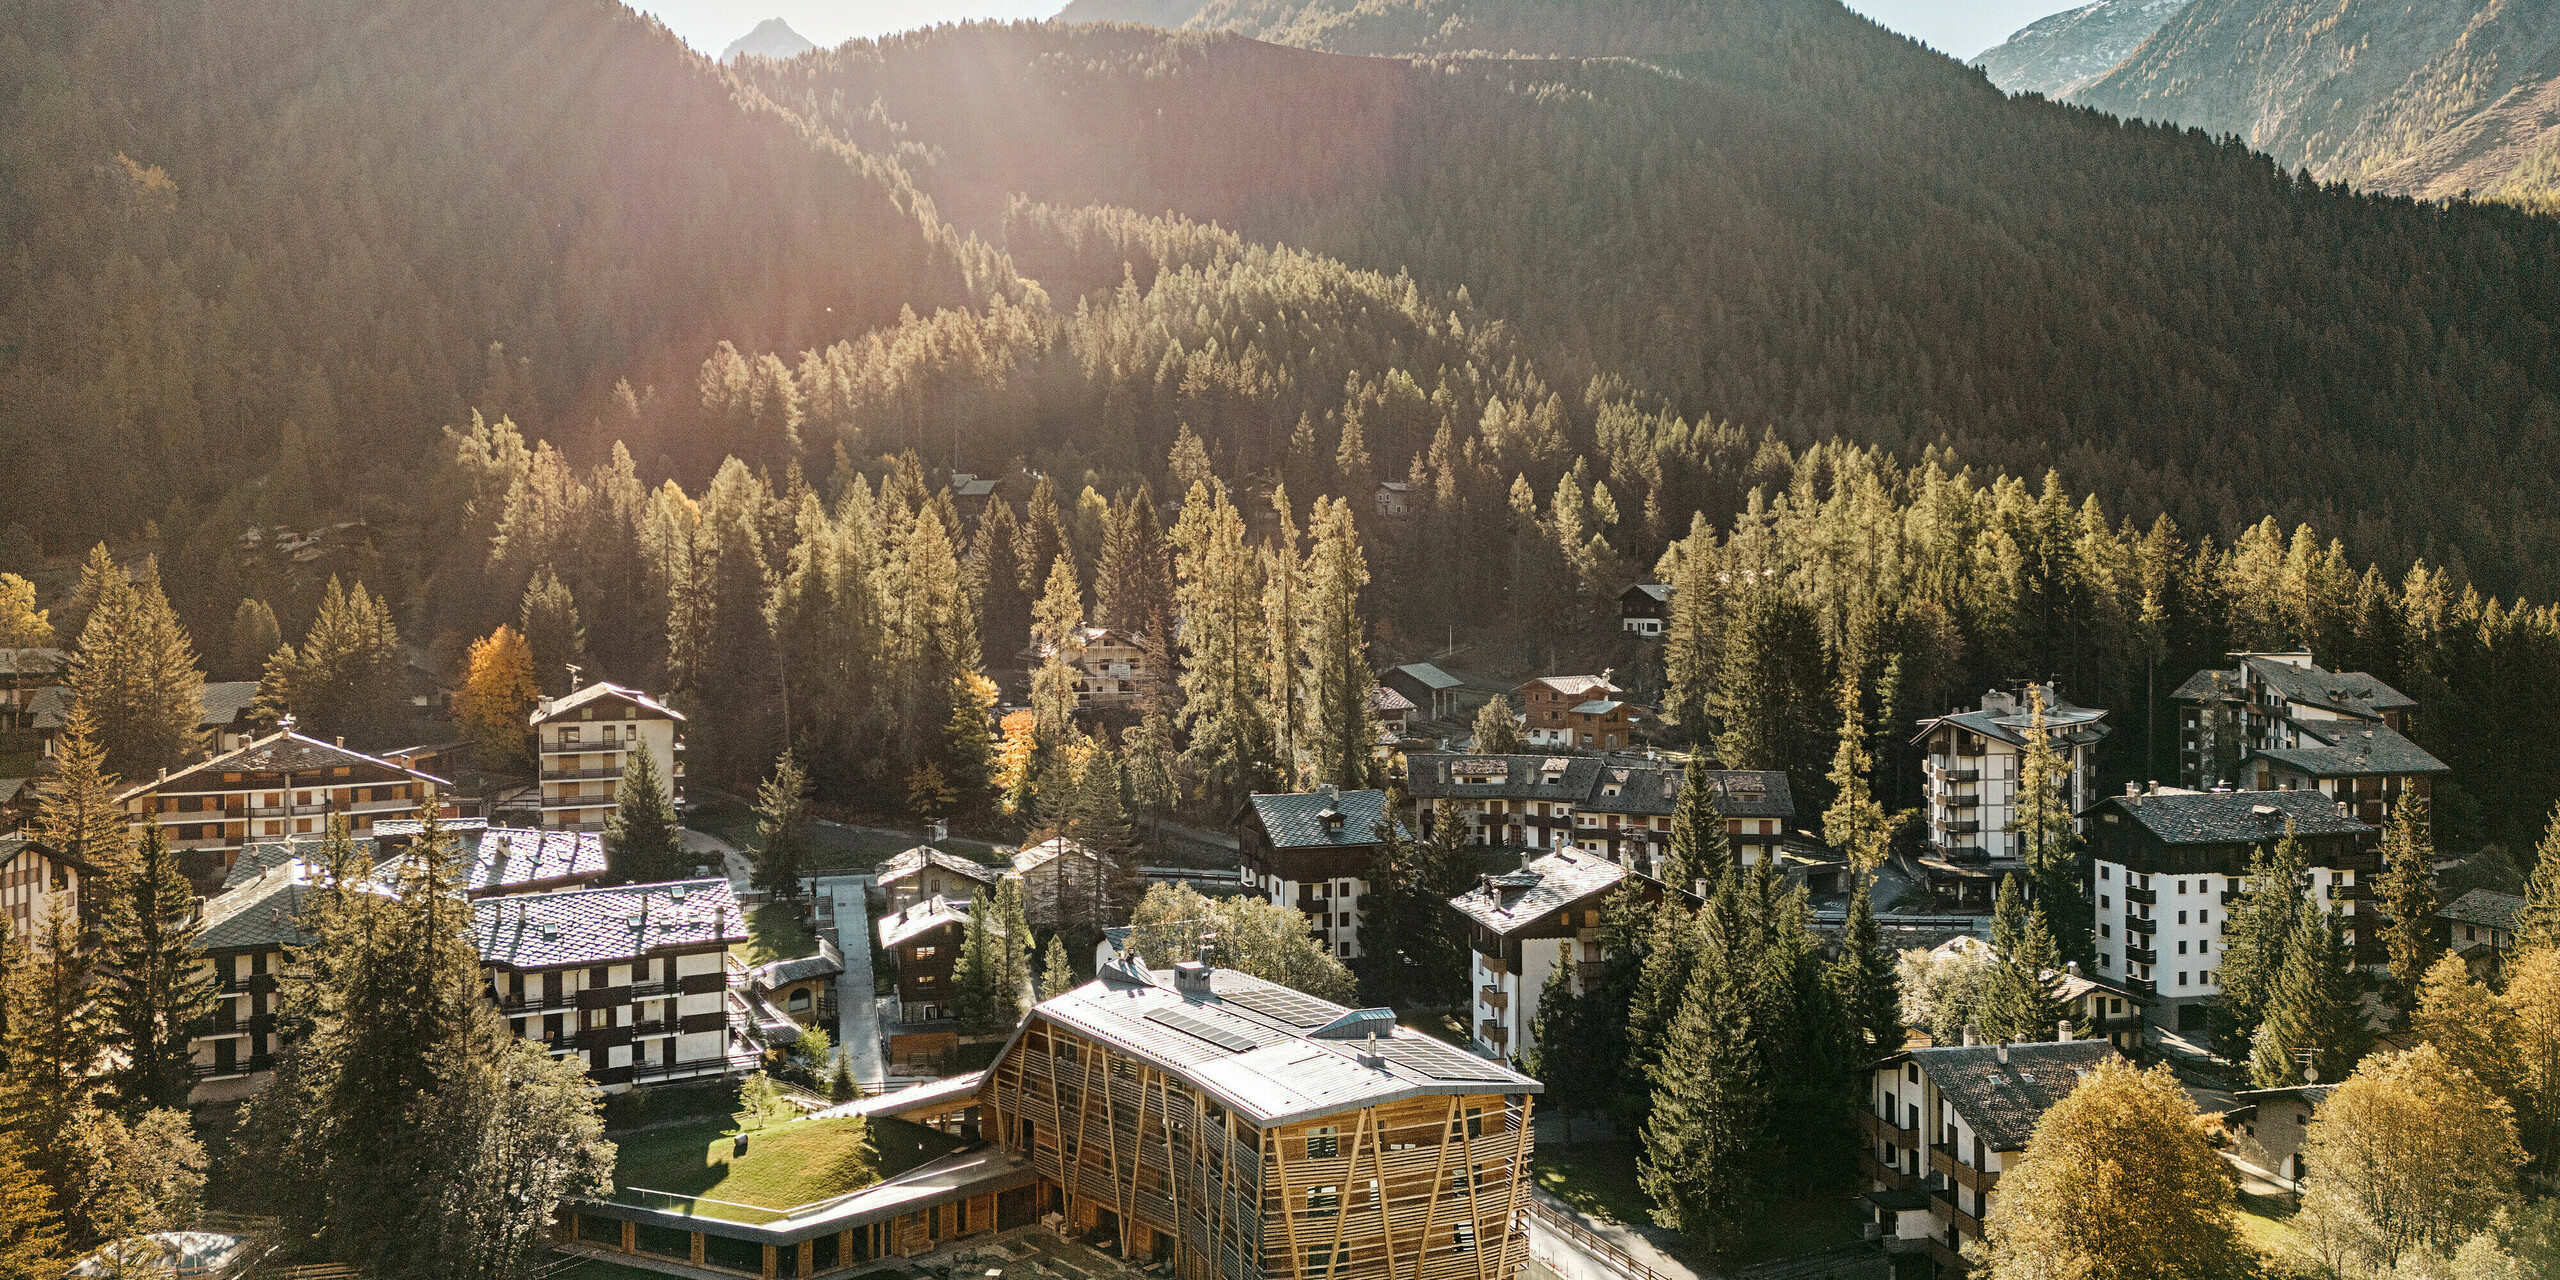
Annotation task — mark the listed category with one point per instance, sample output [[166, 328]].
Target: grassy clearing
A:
[[774, 932], [785, 1164], [1598, 1178], [2266, 1226], [1794, 1227]]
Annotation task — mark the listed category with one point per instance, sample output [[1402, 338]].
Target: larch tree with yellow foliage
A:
[[496, 702], [2116, 1184], [22, 624]]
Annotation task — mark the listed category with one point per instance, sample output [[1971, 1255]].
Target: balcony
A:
[[1943, 1199], [2142, 986], [1944, 774], [2147, 897], [576, 802], [251, 1065], [1943, 1160], [2363, 860], [1958, 827], [1495, 998], [1590, 971], [1492, 1033], [1880, 1129], [2357, 892], [2141, 924], [2141, 955], [579, 775], [1877, 1171]]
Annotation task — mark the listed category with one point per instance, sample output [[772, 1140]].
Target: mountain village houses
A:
[[1970, 776], [2278, 720], [276, 787], [1616, 807], [1524, 925], [1114, 670], [584, 741], [1312, 851], [1940, 1125]]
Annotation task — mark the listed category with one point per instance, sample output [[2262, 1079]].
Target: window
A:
[[2106, 872], [1320, 1259], [1466, 1242], [2182, 917], [2106, 961], [2103, 903], [1324, 1201], [922, 952], [2182, 886], [2106, 931], [2182, 977], [2182, 948], [1324, 1142]]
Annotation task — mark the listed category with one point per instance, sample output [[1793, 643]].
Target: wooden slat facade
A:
[[1429, 1188]]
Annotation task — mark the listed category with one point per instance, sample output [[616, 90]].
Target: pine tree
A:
[[1057, 972], [2542, 888], [1285, 681], [1345, 733], [640, 838], [1710, 1108], [50, 1039], [1497, 734], [1671, 954], [969, 740], [347, 678], [1392, 920], [1560, 1053], [2314, 1018], [30, 1227], [1769, 687], [2019, 1004], [495, 704], [2048, 835], [158, 990], [1855, 822], [555, 637], [1014, 926], [782, 828], [2408, 894], [76, 811], [1865, 975], [1102, 823], [1693, 636], [2263, 925], [255, 637], [1147, 751], [1219, 594], [134, 672], [975, 977], [1701, 846], [1444, 868]]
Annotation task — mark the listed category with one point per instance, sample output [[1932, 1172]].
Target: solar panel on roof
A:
[[1192, 1024], [1434, 1059], [1288, 1006]]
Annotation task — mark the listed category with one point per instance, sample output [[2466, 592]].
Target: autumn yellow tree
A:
[[496, 701], [2410, 1157], [22, 624], [2116, 1184]]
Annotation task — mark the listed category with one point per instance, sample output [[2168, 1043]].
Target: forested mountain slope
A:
[[1826, 233], [2053, 54], [1562, 28], [2424, 99], [261, 251]]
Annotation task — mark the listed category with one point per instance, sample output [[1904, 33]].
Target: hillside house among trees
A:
[[24, 673], [28, 872], [1312, 850], [1064, 885], [924, 940], [229, 721], [1432, 691], [1941, 1124], [1523, 925], [1971, 771], [2483, 926], [1394, 714], [1114, 669], [1617, 808], [2345, 730], [1644, 609], [1578, 712], [632, 980], [585, 740], [2170, 863], [924, 873], [275, 787]]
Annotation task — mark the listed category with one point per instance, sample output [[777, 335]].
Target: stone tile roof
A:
[[558, 708], [826, 964], [1383, 698], [1431, 677], [2348, 692], [1265, 1050], [282, 751], [2486, 907], [1645, 787], [1297, 820], [1048, 851], [899, 928], [1574, 686], [2235, 817], [1551, 884], [572, 927], [2002, 1102], [915, 860], [39, 661], [2355, 749], [49, 707], [1433, 774], [225, 701]]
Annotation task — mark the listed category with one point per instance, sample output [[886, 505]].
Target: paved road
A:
[[857, 1009], [731, 861]]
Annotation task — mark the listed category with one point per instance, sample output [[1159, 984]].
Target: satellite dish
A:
[[2311, 1073]]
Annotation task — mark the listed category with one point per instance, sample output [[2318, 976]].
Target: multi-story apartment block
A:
[[1524, 925], [1581, 712], [1617, 808], [2169, 863], [1970, 777], [2278, 718], [1312, 850], [1113, 669], [504, 860], [1940, 1126], [584, 740], [1209, 1125], [924, 873], [271, 789], [631, 980], [29, 872]]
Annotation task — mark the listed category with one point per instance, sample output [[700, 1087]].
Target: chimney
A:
[[2071, 967], [2133, 788], [1191, 978], [2004, 1053], [2151, 788], [342, 740], [1969, 1039], [1370, 1059], [2062, 1031]]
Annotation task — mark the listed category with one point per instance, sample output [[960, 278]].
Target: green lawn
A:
[[774, 932], [1792, 1228], [1599, 1178], [2266, 1225], [785, 1165]]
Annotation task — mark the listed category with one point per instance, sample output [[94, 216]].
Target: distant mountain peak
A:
[[772, 38], [2058, 52]]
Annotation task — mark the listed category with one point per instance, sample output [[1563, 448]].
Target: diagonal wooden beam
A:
[[1439, 1175], [1519, 1183]]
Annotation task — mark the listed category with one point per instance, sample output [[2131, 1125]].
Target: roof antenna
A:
[[284, 723], [574, 669]]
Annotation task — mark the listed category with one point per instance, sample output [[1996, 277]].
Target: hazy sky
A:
[[1959, 27]]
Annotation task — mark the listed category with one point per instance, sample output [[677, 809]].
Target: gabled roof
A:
[[2345, 692], [1430, 676], [1048, 851], [263, 912], [2064, 723], [1298, 820], [1433, 774], [10, 787], [1574, 686], [49, 707], [901, 927], [2355, 749], [2315, 1094], [604, 926], [559, 708], [225, 701], [1251, 1045], [1660, 592], [2234, 817], [280, 752], [916, 859], [826, 964], [1556, 882], [2488, 908], [39, 661], [1647, 787], [2003, 1101], [1383, 698], [12, 843]]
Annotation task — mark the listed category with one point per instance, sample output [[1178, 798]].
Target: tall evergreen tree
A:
[[134, 671], [1693, 636], [1393, 920], [1708, 1122], [157, 989], [1133, 587], [976, 977], [1564, 1055], [2048, 835], [2314, 1017], [1701, 847], [1497, 733], [555, 638], [1864, 974], [640, 838], [1672, 954], [50, 1041], [1014, 928], [347, 678], [1345, 733], [1288, 706], [1102, 822], [1444, 868], [996, 580], [255, 636], [1057, 971], [2409, 895], [2542, 888], [1219, 593], [76, 811], [782, 828], [30, 1227], [2019, 1004], [969, 740], [1769, 688], [2262, 929], [1855, 822]]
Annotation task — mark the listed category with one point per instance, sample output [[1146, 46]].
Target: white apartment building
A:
[[584, 740], [1522, 925], [2168, 864], [631, 980], [1970, 779], [1312, 850]]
